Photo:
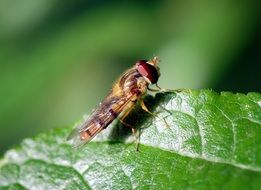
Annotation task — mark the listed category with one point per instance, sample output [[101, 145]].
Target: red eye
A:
[[147, 70]]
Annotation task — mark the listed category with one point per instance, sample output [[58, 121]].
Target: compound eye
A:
[[148, 71]]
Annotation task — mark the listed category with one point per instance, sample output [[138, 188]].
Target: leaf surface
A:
[[195, 140]]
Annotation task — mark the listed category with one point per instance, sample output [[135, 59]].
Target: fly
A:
[[131, 86]]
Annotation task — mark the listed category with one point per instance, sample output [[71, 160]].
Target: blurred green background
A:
[[59, 58]]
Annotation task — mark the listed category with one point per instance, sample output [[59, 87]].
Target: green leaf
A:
[[198, 140]]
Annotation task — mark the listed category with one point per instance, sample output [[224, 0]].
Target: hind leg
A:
[[133, 129]]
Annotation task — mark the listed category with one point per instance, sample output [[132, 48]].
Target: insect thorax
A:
[[133, 81]]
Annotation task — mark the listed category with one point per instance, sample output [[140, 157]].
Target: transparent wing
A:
[[107, 111], [78, 135]]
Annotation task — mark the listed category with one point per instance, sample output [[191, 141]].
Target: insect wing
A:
[[99, 119], [76, 136]]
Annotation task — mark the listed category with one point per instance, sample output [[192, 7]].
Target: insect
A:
[[131, 86]]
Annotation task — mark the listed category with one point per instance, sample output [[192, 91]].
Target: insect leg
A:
[[126, 124], [153, 90], [163, 89], [125, 114], [170, 90], [133, 130], [144, 107]]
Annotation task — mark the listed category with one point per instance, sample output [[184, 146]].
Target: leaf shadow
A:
[[138, 118]]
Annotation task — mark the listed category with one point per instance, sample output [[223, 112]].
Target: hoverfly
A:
[[127, 90]]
